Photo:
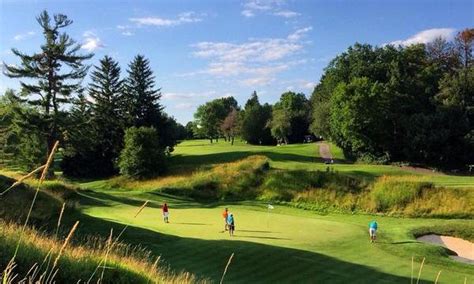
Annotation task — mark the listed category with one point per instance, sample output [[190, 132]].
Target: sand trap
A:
[[463, 248]]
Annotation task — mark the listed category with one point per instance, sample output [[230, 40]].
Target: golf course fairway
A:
[[271, 245]]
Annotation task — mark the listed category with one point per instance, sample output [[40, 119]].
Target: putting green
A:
[[280, 245]]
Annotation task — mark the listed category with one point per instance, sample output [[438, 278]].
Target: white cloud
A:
[[189, 96], [286, 14], [125, 30], [426, 36], [258, 81], [308, 85], [247, 13], [186, 17], [24, 36], [256, 61], [268, 7], [298, 34], [91, 41]]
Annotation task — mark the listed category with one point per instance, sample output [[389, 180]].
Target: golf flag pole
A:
[[269, 207]]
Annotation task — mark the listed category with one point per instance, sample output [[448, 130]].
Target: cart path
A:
[[325, 151]]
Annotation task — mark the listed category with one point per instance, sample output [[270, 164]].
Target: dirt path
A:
[[463, 248], [325, 151]]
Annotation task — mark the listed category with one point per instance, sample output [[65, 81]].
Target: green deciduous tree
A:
[[295, 108], [255, 128]]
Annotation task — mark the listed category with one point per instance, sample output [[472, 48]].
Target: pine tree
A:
[[141, 96], [54, 74], [107, 105]]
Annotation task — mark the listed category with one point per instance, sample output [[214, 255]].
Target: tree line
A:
[[114, 124], [379, 104]]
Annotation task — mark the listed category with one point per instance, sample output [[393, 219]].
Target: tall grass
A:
[[125, 264], [231, 181]]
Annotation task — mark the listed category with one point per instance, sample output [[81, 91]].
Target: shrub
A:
[[142, 156]]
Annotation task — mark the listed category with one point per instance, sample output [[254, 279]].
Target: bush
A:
[[142, 156]]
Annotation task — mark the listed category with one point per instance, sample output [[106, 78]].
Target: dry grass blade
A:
[[49, 161], [59, 219], [66, 241], [117, 239], [124, 228], [419, 272], [22, 179], [43, 176], [226, 267], [107, 250], [141, 208], [437, 277], [7, 276]]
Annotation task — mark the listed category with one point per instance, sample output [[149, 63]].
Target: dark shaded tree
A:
[[254, 127]]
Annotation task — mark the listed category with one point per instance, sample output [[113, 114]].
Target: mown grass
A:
[[284, 245], [194, 154]]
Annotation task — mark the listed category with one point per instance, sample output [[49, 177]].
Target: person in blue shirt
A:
[[373, 230], [231, 224]]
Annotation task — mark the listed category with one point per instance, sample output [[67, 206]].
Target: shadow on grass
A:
[[252, 262]]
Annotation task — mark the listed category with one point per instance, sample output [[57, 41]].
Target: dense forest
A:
[[379, 104]]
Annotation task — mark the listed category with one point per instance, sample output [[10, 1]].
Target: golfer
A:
[[231, 224], [166, 213], [373, 230], [225, 215]]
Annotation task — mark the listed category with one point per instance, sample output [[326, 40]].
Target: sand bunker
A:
[[464, 249]]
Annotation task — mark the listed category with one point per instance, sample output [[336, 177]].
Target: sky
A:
[[200, 50]]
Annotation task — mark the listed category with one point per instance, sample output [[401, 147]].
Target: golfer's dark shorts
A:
[[232, 227]]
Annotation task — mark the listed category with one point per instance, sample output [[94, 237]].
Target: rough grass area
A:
[[322, 191], [125, 263]]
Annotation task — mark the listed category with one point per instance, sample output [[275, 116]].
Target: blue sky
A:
[[201, 50]]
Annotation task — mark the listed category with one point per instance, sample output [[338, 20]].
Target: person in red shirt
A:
[[165, 213], [225, 214]]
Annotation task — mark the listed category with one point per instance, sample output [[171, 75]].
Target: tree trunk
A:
[[232, 140]]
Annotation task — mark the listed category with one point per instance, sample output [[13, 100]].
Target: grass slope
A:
[[189, 155]]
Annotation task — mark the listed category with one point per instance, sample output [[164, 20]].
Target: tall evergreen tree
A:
[[54, 74], [142, 98], [107, 106]]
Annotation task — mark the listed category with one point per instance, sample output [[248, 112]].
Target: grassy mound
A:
[[320, 190], [394, 195], [15, 203], [37, 253], [231, 181]]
